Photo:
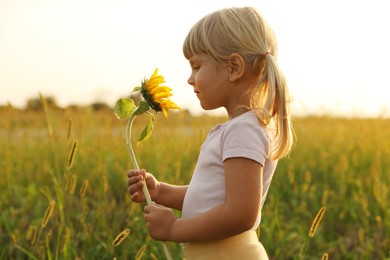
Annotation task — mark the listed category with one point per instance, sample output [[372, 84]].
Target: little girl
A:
[[232, 53]]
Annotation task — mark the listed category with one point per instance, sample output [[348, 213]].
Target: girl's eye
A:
[[194, 66]]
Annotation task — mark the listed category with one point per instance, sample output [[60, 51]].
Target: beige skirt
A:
[[244, 246]]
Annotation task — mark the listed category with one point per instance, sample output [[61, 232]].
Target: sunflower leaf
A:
[[143, 106], [146, 133], [137, 88], [124, 108]]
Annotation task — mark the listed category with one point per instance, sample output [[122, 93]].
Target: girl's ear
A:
[[236, 67]]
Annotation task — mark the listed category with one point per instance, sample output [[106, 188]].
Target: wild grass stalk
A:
[[72, 184], [28, 253], [48, 214], [316, 222], [72, 155], [313, 228], [140, 252], [69, 133], [45, 220], [46, 112], [32, 234], [83, 188]]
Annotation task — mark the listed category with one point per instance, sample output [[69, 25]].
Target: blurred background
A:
[[334, 53]]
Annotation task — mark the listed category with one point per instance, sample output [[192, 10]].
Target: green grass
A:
[[340, 164]]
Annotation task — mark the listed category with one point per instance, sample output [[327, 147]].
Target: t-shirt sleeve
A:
[[245, 139]]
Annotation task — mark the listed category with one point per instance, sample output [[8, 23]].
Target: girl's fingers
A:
[[134, 179], [132, 173], [134, 187], [150, 207], [143, 174], [135, 196]]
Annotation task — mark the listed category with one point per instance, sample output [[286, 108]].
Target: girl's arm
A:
[[171, 196], [238, 214], [163, 193]]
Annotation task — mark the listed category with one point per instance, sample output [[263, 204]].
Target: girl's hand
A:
[[159, 221], [135, 179]]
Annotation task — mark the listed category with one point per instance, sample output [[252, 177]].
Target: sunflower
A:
[[156, 95]]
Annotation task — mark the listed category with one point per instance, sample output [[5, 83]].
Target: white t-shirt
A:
[[242, 136]]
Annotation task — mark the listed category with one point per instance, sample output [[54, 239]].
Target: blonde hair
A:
[[245, 32]]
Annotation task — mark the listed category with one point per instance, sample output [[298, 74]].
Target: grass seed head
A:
[[72, 155], [84, 188], [316, 221], [119, 238], [140, 252], [32, 234], [48, 214], [72, 185]]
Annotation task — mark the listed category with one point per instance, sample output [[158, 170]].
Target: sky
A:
[[335, 54]]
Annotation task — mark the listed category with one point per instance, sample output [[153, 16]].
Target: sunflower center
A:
[[149, 98]]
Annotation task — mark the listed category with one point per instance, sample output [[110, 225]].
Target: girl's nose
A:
[[191, 81]]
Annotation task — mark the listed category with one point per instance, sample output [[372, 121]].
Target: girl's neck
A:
[[239, 110]]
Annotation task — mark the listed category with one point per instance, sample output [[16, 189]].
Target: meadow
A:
[[64, 188]]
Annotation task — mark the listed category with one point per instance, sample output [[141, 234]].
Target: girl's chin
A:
[[208, 107]]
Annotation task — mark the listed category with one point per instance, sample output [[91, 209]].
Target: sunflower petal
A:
[[162, 95], [165, 112], [159, 89]]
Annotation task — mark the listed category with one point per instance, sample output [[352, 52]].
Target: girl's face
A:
[[210, 82]]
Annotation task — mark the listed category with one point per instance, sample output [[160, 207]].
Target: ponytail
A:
[[271, 104]]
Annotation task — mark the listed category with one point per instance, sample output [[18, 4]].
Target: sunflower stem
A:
[[167, 252], [133, 158]]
